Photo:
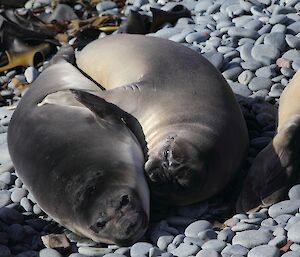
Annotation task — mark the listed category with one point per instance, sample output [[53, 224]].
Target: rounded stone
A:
[[215, 58], [25, 203], [5, 177], [10, 216], [164, 241], [266, 71], [265, 54], [278, 241], [207, 234], [245, 77], [276, 39], [259, 83], [207, 252], [284, 207], [293, 233], [242, 226], [105, 5], [291, 55], [193, 229], [264, 251], [123, 251], [185, 249], [112, 255], [193, 240], [252, 238], [251, 65], [294, 28], [16, 232], [293, 41], [178, 239], [268, 222], [288, 72], [245, 51], [235, 249], [197, 37], [226, 235], [37, 210], [4, 251], [214, 244], [283, 219], [49, 253], [140, 249], [232, 73], [81, 255], [31, 74], [18, 194], [294, 192], [242, 33], [296, 64], [93, 251], [4, 198], [295, 247]]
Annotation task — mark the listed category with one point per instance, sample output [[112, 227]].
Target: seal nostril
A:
[[100, 224], [124, 200]]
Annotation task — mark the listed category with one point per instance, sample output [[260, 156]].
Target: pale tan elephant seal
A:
[[276, 167], [194, 129]]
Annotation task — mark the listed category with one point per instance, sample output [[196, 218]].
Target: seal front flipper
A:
[[273, 171], [110, 111], [99, 106]]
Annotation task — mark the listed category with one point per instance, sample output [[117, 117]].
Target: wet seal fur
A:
[[195, 132], [82, 163], [276, 167]]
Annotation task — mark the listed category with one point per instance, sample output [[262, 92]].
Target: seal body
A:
[[276, 168], [82, 163], [194, 130]]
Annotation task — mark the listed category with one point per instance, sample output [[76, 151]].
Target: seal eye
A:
[[124, 201]]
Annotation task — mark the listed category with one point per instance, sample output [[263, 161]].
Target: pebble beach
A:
[[255, 44]]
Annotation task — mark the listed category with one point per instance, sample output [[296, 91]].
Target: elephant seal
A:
[[82, 163], [276, 167], [194, 129]]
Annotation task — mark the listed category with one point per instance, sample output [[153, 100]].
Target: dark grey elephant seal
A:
[[82, 163], [195, 132], [276, 168]]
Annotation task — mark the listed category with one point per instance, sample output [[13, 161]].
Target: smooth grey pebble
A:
[[264, 251], [214, 244], [284, 207], [258, 83], [207, 253], [193, 229], [18, 194], [185, 249], [235, 250], [265, 54], [251, 238], [207, 234], [47, 252], [140, 248]]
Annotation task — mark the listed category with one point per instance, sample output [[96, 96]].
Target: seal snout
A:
[[132, 227], [124, 220]]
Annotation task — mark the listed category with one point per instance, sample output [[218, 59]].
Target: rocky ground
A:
[[256, 46]]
